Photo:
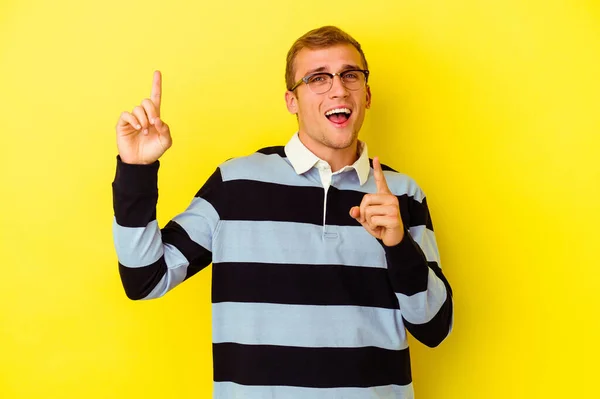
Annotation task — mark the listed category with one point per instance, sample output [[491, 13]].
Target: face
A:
[[318, 132]]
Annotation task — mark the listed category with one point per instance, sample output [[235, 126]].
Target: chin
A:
[[341, 141]]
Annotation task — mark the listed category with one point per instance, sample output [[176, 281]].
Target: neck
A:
[[337, 158]]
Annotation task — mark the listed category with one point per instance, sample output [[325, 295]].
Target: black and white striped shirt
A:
[[306, 303]]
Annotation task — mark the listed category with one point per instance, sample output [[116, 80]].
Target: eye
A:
[[318, 78], [350, 75]]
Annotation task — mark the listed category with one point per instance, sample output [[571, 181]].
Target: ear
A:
[[291, 102], [368, 105]]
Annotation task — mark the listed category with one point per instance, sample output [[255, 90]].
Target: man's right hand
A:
[[142, 137]]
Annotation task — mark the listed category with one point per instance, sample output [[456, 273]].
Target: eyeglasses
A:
[[321, 82]]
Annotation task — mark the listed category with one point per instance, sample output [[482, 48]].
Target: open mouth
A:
[[338, 115]]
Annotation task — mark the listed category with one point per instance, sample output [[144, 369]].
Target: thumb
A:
[[162, 127], [355, 212]]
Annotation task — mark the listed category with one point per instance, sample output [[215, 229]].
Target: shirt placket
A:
[[328, 232]]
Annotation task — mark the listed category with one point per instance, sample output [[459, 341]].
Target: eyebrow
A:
[[345, 67]]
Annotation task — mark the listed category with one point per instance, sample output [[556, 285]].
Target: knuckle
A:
[[149, 105]]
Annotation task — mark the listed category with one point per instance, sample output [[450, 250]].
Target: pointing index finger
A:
[[380, 181], [156, 93]]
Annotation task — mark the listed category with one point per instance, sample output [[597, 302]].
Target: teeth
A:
[[338, 111]]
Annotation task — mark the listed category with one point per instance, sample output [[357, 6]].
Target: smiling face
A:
[[325, 134]]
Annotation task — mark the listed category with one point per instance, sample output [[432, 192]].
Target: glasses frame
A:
[[331, 75]]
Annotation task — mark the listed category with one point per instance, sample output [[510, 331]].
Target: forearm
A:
[[136, 233], [423, 292], [153, 261]]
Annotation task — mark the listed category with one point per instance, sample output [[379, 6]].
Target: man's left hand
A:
[[379, 213]]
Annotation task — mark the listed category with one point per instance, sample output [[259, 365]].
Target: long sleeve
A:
[[423, 292], [152, 261]]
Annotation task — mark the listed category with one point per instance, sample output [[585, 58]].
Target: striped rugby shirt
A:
[[305, 302]]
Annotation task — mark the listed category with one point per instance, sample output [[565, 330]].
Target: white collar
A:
[[302, 159]]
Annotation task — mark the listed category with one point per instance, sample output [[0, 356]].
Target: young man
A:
[[321, 260]]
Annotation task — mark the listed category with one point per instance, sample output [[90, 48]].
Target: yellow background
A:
[[492, 106]]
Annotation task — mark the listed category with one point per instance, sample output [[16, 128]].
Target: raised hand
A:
[[379, 213], [142, 137]]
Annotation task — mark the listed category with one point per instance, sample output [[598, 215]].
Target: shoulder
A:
[[263, 157], [256, 166], [400, 183]]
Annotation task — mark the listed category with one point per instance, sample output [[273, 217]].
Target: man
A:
[[321, 260]]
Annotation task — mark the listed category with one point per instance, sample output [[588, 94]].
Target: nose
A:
[[337, 88]]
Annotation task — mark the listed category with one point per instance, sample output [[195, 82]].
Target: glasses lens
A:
[[353, 80], [319, 83]]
